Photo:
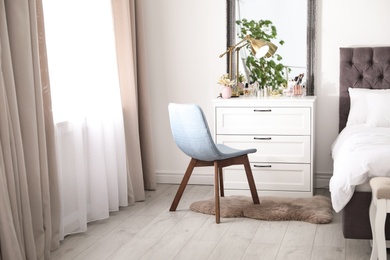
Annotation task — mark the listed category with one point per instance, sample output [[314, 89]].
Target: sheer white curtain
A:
[[87, 110]]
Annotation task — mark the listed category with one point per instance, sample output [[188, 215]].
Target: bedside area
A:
[[282, 130]]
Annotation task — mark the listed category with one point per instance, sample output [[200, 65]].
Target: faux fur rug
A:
[[316, 210]]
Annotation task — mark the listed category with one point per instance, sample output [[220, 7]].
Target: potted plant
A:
[[241, 80], [268, 72]]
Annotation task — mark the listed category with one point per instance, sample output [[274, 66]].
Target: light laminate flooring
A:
[[148, 230]]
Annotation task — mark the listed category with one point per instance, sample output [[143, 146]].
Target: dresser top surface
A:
[[266, 101]]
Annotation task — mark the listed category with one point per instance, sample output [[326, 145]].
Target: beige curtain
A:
[[128, 17], [29, 198]]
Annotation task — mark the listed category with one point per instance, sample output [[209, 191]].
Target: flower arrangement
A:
[[225, 81]]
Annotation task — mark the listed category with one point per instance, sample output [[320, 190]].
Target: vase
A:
[[226, 92], [297, 90]]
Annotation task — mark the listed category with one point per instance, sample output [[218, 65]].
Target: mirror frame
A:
[[310, 38]]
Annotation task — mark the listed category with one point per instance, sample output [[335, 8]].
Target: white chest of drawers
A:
[[282, 131]]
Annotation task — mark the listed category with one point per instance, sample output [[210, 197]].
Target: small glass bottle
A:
[[265, 91], [246, 90], [259, 92]]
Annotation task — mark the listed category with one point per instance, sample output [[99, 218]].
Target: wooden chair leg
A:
[[183, 184], [251, 181], [216, 192], [221, 187]]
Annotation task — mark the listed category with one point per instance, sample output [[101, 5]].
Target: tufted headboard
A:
[[362, 67]]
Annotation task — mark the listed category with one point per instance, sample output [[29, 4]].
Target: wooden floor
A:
[[148, 230]]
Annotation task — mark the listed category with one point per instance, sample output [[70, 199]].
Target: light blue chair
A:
[[192, 135]]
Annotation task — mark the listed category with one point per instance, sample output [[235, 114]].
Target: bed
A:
[[364, 79]]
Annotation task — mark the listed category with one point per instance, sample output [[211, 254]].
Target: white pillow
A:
[[378, 112], [358, 109]]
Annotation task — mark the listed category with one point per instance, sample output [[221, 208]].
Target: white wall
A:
[[345, 23], [185, 67]]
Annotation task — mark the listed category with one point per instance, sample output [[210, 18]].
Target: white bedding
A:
[[359, 153]]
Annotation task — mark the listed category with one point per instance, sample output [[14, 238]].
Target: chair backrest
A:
[[191, 132]]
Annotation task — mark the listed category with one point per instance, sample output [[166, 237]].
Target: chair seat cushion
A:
[[229, 152], [380, 187]]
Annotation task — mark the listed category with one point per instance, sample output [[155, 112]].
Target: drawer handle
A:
[[262, 110], [262, 138], [263, 166]]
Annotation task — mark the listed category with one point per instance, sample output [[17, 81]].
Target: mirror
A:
[[298, 34]]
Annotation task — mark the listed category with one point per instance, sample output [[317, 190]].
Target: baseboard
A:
[[321, 180]]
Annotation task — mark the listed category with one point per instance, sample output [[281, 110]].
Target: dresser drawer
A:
[[270, 148], [270, 177], [263, 120]]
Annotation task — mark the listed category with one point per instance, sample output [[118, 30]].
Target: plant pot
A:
[[226, 92]]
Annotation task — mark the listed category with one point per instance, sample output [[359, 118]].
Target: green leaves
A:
[[268, 72]]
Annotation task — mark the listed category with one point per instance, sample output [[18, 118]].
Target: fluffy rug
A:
[[316, 209]]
